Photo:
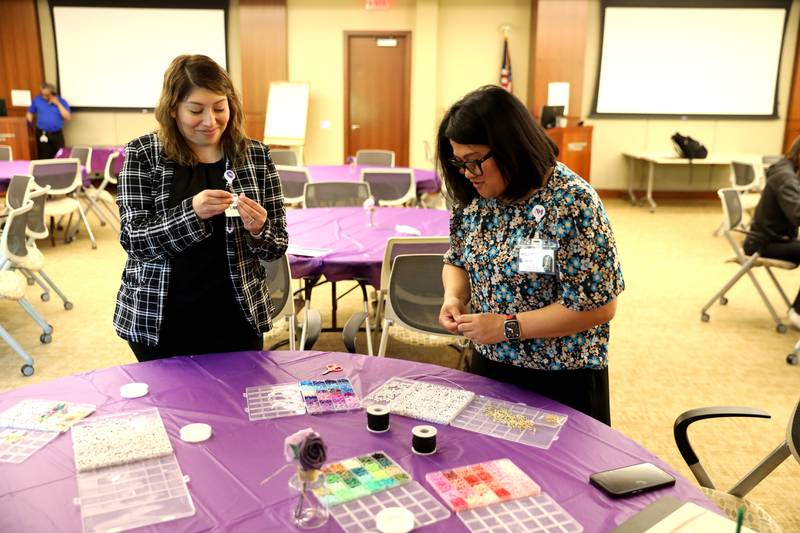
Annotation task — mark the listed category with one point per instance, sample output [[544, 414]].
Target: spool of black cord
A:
[[423, 440], [377, 418]]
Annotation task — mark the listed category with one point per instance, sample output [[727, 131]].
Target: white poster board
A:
[[287, 113]]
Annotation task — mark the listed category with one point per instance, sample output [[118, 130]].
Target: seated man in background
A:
[[51, 111], [773, 232]]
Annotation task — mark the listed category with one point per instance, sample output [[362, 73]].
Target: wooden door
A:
[[377, 92]]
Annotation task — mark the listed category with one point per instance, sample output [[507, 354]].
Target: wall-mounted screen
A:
[[115, 55], [699, 58]]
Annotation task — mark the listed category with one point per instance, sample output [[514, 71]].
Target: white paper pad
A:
[[407, 230], [306, 251], [691, 518]]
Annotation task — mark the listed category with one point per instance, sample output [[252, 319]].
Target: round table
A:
[[225, 472], [426, 179], [353, 248]]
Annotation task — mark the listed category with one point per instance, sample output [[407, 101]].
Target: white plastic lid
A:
[[394, 520], [134, 390], [198, 432]]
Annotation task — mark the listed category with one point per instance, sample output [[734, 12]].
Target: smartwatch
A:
[[511, 328]]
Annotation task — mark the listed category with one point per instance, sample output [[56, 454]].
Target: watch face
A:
[[512, 329]]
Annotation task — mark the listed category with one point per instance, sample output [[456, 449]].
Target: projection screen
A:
[[697, 59], [115, 57]]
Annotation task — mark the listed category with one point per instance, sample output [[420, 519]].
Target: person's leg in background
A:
[[47, 149], [785, 251]]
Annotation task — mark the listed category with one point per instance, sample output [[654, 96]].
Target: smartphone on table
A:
[[630, 480]]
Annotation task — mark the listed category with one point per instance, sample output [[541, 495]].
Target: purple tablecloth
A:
[[356, 248], [21, 166], [225, 472], [427, 180], [99, 157]]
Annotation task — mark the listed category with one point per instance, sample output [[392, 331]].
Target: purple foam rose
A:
[[312, 452]]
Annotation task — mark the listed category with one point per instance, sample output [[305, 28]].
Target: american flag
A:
[[505, 70]]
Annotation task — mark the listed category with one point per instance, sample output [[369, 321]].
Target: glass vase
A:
[[308, 512]]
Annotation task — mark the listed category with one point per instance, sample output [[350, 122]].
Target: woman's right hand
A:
[[452, 308], [211, 202]]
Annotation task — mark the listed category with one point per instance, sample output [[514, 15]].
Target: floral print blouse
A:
[[483, 239]]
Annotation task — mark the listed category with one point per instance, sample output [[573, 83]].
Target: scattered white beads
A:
[[420, 400]]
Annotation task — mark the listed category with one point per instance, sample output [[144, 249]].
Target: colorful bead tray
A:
[[359, 476], [329, 396], [482, 484]]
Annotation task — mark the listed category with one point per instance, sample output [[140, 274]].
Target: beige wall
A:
[[613, 136]]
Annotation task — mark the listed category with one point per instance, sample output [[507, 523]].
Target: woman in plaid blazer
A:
[[200, 206]]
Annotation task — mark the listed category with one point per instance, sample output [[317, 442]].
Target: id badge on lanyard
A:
[[233, 209], [537, 255]]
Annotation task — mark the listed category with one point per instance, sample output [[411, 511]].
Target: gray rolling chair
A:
[[84, 155], [14, 250], [755, 516], [279, 279], [335, 194], [375, 158], [391, 186], [6, 154], [732, 209], [293, 181], [100, 201], [284, 157], [64, 178]]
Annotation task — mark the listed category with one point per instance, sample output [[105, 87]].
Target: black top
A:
[[777, 215], [202, 314]]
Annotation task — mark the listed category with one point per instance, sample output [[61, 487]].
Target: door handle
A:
[[355, 127]]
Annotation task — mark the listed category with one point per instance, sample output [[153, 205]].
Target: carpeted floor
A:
[[664, 360]]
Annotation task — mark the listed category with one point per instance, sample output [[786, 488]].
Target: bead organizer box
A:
[[511, 421], [274, 401], [329, 396], [16, 445], [534, 513], [119, 439], [44, 415], [358, 488], [359, 476], [420, 400], [482, 484]]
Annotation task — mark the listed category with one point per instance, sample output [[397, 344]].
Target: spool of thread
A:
[[423, 440], [377, 418]]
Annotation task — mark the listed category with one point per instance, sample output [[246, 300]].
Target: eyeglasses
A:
[[472, 165]]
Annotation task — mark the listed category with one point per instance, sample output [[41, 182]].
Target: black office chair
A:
[[755, 516]]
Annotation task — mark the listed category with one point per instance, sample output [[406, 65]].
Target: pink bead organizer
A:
[[481, 484]]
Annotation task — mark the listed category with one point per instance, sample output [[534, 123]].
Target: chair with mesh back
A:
[[732, 219], [375, 158], [100, 201], [284, 157], [6, 154], [394, 246], [12, 284], [32, 264], [755, 517], [14, 250], [746, 179], [293, 181], [394, 186], [413, 301], [64, 178], [84, 155], [335, 194], [279, 279]]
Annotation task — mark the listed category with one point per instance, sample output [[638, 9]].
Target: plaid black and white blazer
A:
[[152, 234]]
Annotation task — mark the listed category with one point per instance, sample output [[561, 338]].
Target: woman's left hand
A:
[[253, 215], [483, 328]]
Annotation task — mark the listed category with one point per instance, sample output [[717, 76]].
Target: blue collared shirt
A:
[[48, 117]]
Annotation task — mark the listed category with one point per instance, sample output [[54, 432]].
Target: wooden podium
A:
[[14, 132], [574, 148]]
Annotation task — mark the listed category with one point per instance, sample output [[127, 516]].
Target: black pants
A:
[[197, 341], [55, 142], [585, 390], [784, 251]]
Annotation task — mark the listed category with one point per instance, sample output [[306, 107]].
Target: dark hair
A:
[[50, 87], [521, 149], [793, 154], [184, 74]]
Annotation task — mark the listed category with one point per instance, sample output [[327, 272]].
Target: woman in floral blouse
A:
[[531, 251]]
